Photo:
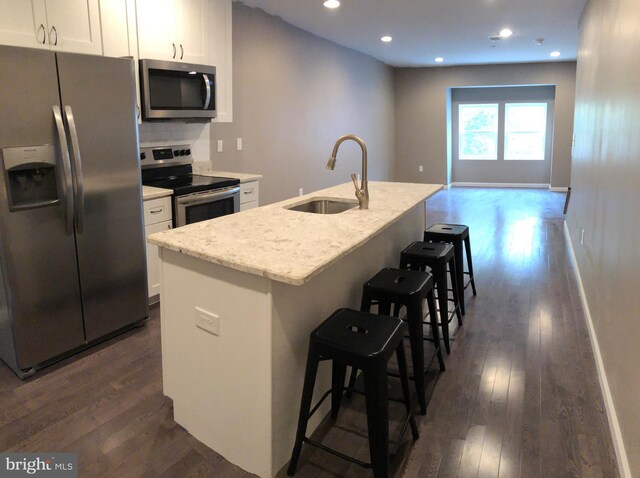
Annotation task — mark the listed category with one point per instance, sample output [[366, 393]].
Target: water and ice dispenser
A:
[[30, 176]]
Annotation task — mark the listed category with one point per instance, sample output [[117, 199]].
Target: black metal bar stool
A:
[[437, 256], [458, 235], [365, 341], [409, 289]]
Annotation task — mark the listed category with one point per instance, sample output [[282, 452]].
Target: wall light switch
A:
[[239, 144], [421, 169], [219, 146], [300, 192], [208, 321]]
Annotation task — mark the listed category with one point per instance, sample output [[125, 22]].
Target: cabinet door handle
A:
[[174, 50], [168, 226], [44, 34], [181, 51], [53, 30], [138, 111]]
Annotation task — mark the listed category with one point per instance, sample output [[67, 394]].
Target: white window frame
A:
[[464, 157], [543, 131]]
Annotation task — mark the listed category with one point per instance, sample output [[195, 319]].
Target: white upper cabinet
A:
[[174, 30], [23, 23], [115, 27], [221, 58], [61, 25], [74, 26]]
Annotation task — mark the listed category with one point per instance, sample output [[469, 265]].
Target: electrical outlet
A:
[[300, 192], [239, 144], [219, 146], [582, 237], [208, 321], [420, 169]]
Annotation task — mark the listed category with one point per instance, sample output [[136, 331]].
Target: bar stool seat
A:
[[458, 235], [437, 256], [409, 289], [366, 341]]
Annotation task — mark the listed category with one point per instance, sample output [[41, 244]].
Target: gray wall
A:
[[294, 94], [605, 197], [422, 96]]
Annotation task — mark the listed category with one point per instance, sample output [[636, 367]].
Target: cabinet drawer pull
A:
[[156, 211], [51, 31], [249, 191], [44, 34]]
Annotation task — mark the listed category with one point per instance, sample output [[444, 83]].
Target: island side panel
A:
[[220, 384], [297, 310]]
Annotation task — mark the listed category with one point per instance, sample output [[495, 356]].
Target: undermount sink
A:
[[323, 206]]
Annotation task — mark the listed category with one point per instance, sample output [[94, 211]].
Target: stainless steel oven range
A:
[[195, 197]]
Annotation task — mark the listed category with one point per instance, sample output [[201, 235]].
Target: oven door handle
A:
[[193, 199]]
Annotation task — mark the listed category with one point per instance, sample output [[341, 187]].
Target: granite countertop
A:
[[204, 170], [149, 192], [290, 246]]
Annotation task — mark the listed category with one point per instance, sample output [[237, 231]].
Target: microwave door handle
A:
[[207, 86], [77, 166], [192, 200], [67, 188]]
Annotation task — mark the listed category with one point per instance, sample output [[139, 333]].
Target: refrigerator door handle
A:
[[66, 168], [78, 182], [207, 86]]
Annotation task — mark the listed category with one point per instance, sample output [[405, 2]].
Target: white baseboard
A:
[[614, 424], [499, 185], [558, 189]]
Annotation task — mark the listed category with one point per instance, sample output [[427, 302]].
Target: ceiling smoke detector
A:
[[539, 41]]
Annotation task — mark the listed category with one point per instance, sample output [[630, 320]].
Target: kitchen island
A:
[[240, 295]]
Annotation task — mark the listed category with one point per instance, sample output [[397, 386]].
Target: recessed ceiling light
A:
[[505, 33], [439, 59], [332, 3], [386, 39], [555, 54]]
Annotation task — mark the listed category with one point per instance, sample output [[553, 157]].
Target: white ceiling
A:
[[457, 30]]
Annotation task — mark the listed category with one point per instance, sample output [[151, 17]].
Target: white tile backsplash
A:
[[195, 134]]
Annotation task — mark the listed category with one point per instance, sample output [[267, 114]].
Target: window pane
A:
[[525, 131], [478, 131]]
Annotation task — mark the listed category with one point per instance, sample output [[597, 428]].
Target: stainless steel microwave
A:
[[177, 91]]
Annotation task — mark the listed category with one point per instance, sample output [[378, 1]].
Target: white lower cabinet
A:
[[157, 218], [249, 195]]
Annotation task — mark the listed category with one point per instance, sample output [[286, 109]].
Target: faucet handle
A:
[[354, 178]]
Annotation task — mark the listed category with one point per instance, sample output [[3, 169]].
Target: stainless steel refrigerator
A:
[[72, 257]]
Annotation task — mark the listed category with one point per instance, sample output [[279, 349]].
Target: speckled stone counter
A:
[[240, 295], [149, 192], [290, 246]]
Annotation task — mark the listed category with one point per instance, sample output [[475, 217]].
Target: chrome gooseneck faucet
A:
[[362, 191]]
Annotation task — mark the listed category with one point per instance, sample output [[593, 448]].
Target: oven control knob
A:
[[176, 152], [183, 152], [188, 152], [143, 156]]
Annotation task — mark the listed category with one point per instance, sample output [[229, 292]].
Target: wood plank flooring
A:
[[520, 397]]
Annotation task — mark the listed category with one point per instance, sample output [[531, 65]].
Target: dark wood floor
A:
[[520, 397]]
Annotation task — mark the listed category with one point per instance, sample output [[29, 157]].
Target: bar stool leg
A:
[[375, 384], [365, 306], [467, 244], [433, 322], [456, 290], [338, 372], [459, 276], [305, 407], [414, 319], [402, 368], [441, 285]]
